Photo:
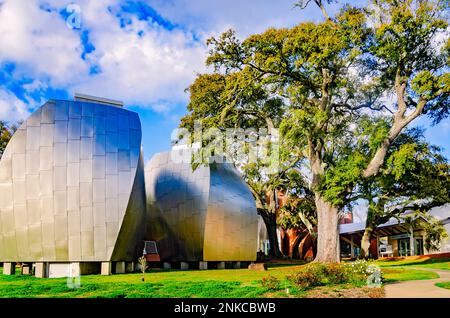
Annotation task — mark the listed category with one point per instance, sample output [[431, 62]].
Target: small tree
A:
[[415, 177], [143, 264], [435, 233], [6, 133]]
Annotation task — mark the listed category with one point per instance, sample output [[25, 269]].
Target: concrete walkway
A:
[[420, 288]]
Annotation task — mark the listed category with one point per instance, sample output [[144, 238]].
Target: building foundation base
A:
[[40, 270], [106, 268], [25, 270], [9, 268], [221, 265], [129, 267], [184, 265], [236, 265], [167, 265], [120, 267], [203, 265]]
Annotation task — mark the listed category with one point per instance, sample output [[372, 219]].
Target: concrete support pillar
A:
[[203, 265], [40, 270], [9, 268], [106, 268], [221, 265], [129, 267], [25, 270], [237, 265], [184, 265], [120, 267], [167, 265]]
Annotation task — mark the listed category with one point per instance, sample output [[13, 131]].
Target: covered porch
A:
[[391, 239]]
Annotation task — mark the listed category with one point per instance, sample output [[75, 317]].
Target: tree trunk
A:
[[365, 242], [328, 249], [270, 220]]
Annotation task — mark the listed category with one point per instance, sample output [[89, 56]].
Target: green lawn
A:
[[402, 274], [239, 283], [436, 263], [159, 283], [445, 285]]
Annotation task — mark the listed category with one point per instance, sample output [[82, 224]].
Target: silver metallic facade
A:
[[72, 185], [208, 214]]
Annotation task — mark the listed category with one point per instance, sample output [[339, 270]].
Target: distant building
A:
[[392, 238]]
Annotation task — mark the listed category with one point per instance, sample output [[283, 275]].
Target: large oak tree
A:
[[316, 80]]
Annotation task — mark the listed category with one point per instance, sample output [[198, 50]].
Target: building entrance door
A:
[[403, 247], [419, 246]]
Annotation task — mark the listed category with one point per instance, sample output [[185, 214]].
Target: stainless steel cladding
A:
[[72, 185], [208, 214]]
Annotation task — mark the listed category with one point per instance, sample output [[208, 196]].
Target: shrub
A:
[[309, 276], [359, 272], [271, 283], [362, 270], [337, 273]]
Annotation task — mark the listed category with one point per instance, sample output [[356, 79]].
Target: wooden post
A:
[[352, 249], [378, 246], [411, 241]]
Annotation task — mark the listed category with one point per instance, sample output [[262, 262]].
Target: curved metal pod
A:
[[72, 185], [208, 214]]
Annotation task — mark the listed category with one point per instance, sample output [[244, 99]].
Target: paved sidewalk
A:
[[420, 288]]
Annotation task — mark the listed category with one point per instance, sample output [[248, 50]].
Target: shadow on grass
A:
[[275, 265], [406, 262]]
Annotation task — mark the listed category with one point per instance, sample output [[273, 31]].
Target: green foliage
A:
[[336, 273], [309, 276], [6, 133], [271, 283], [299, 210], [340, 178], [435, 233], [403, 160], [372, 132], [415, 177], [325, 86], [298, 213]]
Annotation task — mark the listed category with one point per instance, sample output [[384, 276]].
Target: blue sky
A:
[[144, 53]]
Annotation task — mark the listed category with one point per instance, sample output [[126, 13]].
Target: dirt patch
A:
[[362, 292]]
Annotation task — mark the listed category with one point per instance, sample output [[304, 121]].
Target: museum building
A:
[[73, 197]]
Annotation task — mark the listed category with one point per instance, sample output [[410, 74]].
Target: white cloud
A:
[[159, 65], [11, 108], [39, 42], [150, 70]]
